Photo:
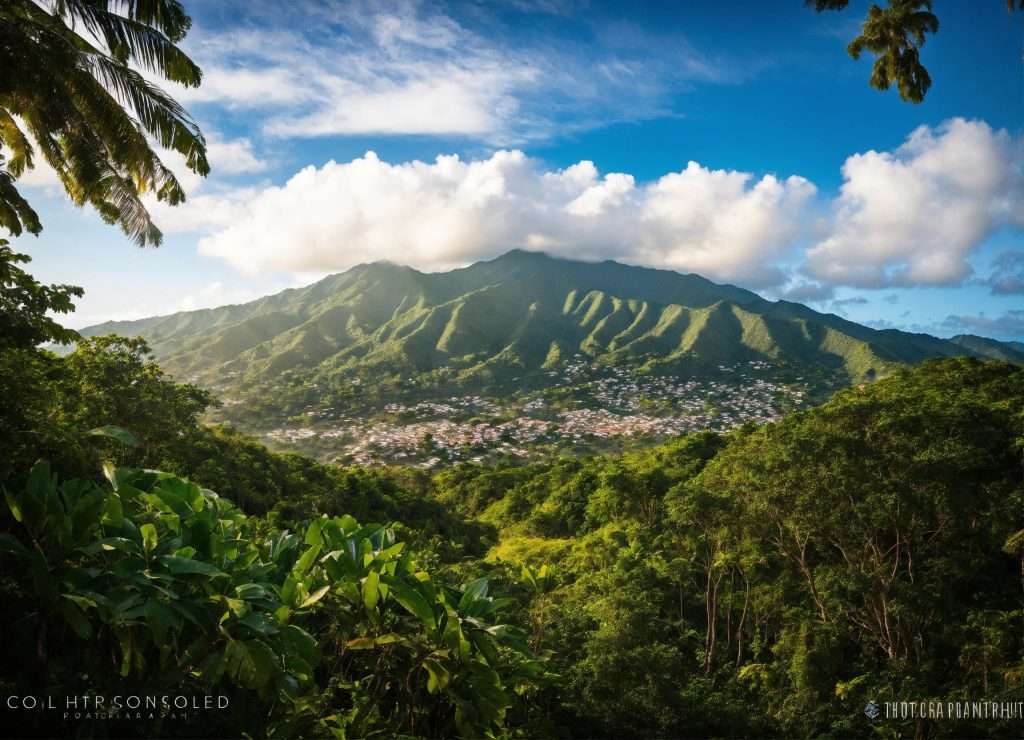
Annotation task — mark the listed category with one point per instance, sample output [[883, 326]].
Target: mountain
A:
[[985, 347], [520, 314]]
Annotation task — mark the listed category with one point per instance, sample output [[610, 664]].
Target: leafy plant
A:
[[180, 590]]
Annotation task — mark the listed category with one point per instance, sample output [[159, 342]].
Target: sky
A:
[[733, 139]]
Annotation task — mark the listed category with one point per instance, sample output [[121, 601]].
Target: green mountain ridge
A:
[[524, 312]]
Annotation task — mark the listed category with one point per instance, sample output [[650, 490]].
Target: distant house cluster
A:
[[618, 403]]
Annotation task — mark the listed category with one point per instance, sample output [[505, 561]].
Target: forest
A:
[[766, 582]]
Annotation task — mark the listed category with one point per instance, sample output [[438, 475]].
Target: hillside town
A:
[[577, 411]]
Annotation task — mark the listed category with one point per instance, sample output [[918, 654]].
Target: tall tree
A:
[[72, 88], [895, 35]]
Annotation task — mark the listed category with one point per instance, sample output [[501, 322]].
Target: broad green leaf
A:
[[414, 602], [314, 534], [259, 622], [149, 537], [14, 504], [474, 590], [306, 560], [251, 662], [161, 620], [251, 591], [437, 675], [113, 510], [37, 495], [179, 566], [485, 644], [371, 590], [83, 601], [214, 666], [238, 607], [118, 434], [110, 473], [315, 597], [301, 643]]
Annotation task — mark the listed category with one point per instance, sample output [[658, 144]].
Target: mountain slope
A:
[[985, 347], [521, 313]]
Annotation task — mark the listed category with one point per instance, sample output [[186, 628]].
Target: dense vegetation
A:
[[768, 582], [773, 582]]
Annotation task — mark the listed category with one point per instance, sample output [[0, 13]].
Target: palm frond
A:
[[158, 113], [168, 16], [16, 215], [129, 39], [14, 139]]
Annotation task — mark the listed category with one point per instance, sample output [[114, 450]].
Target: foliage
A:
[[894, 35], [26, 373], [308, 634], [25, 305], [74, 90], [771, 582]]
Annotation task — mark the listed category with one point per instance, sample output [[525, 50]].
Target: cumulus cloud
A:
[[233, 156], [727, 225], [915, 215]]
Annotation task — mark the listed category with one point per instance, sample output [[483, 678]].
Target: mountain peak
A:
[[522, 256]]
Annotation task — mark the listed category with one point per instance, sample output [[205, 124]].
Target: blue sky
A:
[[737, 140]]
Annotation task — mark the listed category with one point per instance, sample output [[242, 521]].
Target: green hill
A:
[[520, 314]]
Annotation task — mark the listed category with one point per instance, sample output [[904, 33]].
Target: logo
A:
[[871, 710]]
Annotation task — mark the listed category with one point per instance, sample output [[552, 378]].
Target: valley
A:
[[521, 356], [585, 409]]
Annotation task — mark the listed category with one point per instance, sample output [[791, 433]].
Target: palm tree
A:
[[894, 35], [72, 88]]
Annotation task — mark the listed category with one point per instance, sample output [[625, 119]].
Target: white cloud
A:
[[210, 203], [715, 223], [414, 68], [723, 224], [914, 216], [232, 156]]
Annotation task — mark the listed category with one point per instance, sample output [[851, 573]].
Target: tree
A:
[[71, 88], [26, 373], [25, 303], [894, 35]]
